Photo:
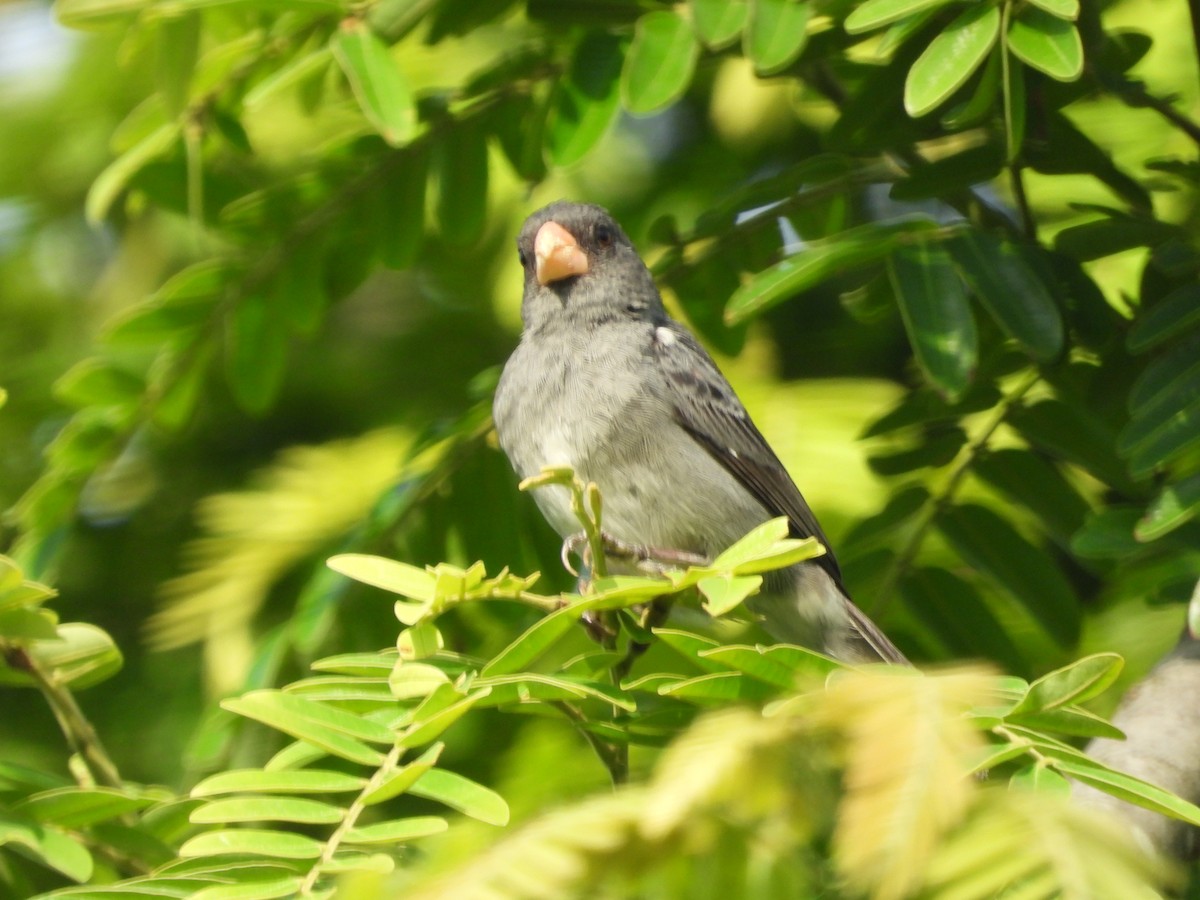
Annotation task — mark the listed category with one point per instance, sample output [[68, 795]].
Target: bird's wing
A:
[[707, 408]]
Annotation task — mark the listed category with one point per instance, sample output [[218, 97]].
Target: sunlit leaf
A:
[[1047, 43], [659, 65], [776, 33], [874, 13], [379, 85], [719, 22], [951, 58]]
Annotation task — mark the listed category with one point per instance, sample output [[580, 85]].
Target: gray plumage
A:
[[605, 381]]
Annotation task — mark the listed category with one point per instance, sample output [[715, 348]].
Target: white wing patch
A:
[[664, 335]]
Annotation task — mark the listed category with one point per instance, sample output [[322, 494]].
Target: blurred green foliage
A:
[[257, 277]]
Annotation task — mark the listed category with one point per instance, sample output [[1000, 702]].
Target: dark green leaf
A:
[[1108, 534], [1104, 237], [719, 22], [1149, 419], [1037, 485], [937, 317], [660, 62], [1179, 362], [380, 87], [953, 610], [991, 545], [924, 407], [776, 34], [586, 99], [1047, 43], [818, 261], [402, 196], [1074, 433], [951, 58], [932, 451], [954, 172], [874, 13], [1174, 314], [1175, 505], [256, 353], [462, 177], [1010, 291], [1064, 9], [980, 105], [1177, 435]]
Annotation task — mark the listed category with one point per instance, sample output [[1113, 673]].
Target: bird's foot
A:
[[646, 559]]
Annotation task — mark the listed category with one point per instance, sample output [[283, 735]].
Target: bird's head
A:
[[580, 266]]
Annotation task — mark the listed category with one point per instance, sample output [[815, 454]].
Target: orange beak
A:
[[558, 254]]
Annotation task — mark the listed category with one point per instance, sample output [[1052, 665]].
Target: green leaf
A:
[[26, 624], [691, 647], [724, 593], [719, 22], [1107, 534], [379, 86], [538, 638], [178, 383], [875, 13], [175, 59], [1070, 720], [49, 846], [425, 729], [1175, 505], [1128, 788], [528, 687], [781, 665], [992, 545], [461, 161], [1010, 291], [97, 382], [978, 107], [818, 261], [951, 58], [660, 62], [1174, 314], [259, 809], [937, 317], [397, 831], [1074, 683], [74, 807], [402, 208], [1038, 485], [1046, 43], [80, 655], [776, 34], [413, 679], [1157, 414], [401, 779], [717, 688], [1037, 777], [298, 781], [256, 353], [1175, 366], [1179, 434], [91, 13], [1073, 432], [462, 794], [257, 889], [1114, 234], [953, 610], [111, 183], [1064, 9], [340, 732], [252, 841], [586, 99], [388, 574]]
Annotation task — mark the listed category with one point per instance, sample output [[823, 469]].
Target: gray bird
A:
[[605, 381]]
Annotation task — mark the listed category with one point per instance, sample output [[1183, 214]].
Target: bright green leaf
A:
[[1175, 505], [260, 809], [388, 574], [1126, 787], [586, 99], [951, 58], [110, 183], [1046, 43], [658, 67], [252, 841], [462, 794], [776, 33], [397, 831], [719, 22], [378, 84], [1075, 683], [297, 781], [1064, 9], [875, 13]]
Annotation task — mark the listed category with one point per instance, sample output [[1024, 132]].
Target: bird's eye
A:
[[604, 235]]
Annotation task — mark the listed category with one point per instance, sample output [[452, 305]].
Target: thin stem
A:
[[938, 502], [614, 757], [80, 734], [349, 819], [1028, 223]]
